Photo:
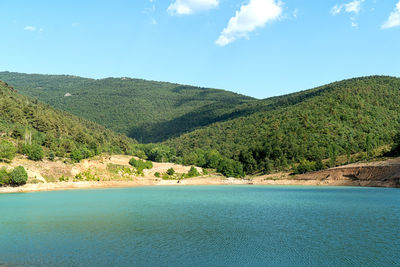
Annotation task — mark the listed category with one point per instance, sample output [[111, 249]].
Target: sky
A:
[[259, 48]]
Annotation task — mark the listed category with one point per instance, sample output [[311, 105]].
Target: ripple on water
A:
[[203, 226]]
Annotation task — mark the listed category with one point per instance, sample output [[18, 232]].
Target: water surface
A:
[[202, 226]]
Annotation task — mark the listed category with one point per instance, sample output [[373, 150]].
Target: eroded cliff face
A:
[[379, 174]]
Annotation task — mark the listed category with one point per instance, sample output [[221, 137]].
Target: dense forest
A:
[[144, 110], [37, 130], [341, 118]]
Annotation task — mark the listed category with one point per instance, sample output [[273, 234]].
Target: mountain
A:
[[145, 110], [31, 125], [303, 131], [342, 118]]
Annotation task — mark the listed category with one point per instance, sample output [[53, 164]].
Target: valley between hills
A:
[[71, 132]]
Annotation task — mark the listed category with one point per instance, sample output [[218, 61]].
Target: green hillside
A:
[[219, 129], [38, 130], [145, 110], [341, 118]]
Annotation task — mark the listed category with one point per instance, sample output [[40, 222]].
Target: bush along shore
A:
[[16, 177]]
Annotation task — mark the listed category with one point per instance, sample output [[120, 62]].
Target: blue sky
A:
[[259, 48]]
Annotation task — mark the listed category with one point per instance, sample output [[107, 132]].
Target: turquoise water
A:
[[202, 226]]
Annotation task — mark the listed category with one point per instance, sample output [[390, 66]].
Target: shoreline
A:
[[374, 174], [59, 186]]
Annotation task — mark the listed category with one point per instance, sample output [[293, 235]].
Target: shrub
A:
[[4, 177], [34, 152], [76, 156], [18, 176], [133, 162], [83, 153], [193, 172], [7, 151], [170, 171], [35, 181], [140, 165], [86, 176], [63, 179], [148, 164], [157, 174], [51, 156]]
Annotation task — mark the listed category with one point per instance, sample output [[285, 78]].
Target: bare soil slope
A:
[[375, 174]]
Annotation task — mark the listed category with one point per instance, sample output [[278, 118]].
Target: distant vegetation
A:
[[202, 158], [234, 134], [38, 131], [339, 119], [145, 110], [171, 174]]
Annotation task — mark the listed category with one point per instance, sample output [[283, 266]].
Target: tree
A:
[[319, 165], [190, 158], [170, 171], [212, 157], [249, 163], [7, 151], [333, 155], [305, 166], [18, 176], [230, 168], [368, 146]]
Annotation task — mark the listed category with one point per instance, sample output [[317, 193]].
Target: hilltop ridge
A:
[[148, 111]]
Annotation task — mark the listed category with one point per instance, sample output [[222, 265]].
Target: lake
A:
[[202, 226]]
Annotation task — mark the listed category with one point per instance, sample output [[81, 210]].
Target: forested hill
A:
[[350, 117], [341, 118], [145, 110], [39, 130]]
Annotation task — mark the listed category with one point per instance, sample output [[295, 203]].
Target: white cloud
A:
[[188, 7], [30, 28], [253, 15], [394, 18], [336, 10], [295, 13], [351, 7], [354, 6]]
